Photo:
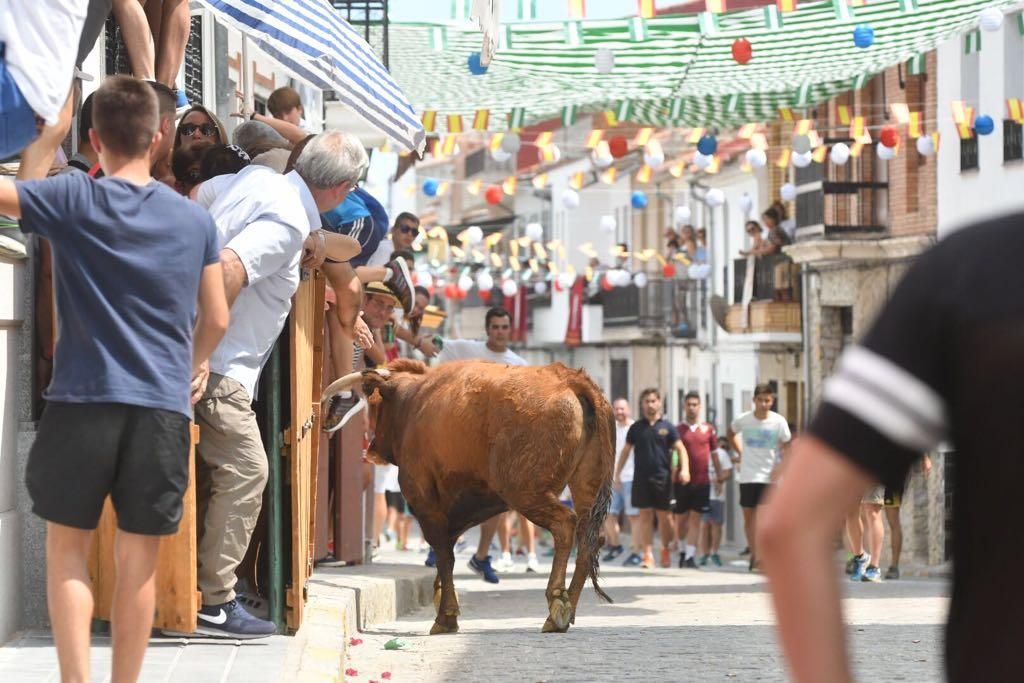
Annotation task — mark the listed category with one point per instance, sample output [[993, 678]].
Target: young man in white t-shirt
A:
[[711, 521], [621, 495], [763, 433]]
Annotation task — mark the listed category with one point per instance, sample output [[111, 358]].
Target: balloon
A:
[[802, 160], [430, 187], [702, 161], [451, 291], [606, 284], [509, 288], [485, 295], [682, 215], [465, 283], [742, 50], [484, 281], [535, 231], [715, 197], [801, 144], [511, 143], [746, 204], [604, 60], [570, 199], [757, 158], [426, 279], [602, 158], [638, 199], [840, 153], [926, 145], [885, 153], [494, 194], [566, 280], [984, 125], [500, 155], [608, 223], [654, 155], [618, 146], [863, 36], [707, 145], [668, 270], [890, 137], [623, 278], [640, 280], [990, 19], [788, 192], [541, 287], [474, 235], [475, 67]]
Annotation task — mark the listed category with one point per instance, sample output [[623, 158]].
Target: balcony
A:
[[774, 307], [669, 307], [851, 199]]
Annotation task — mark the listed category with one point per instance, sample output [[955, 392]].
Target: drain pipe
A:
[[805, 329], [273, 440]]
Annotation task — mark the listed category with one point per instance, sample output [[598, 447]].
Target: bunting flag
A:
[[548, 153], [482, 120], [438, 38], [786, 114], [495, 143], [859, 130], [715, 166], [802, 127], [540, 181], [678, 168], [474, 187], [803, 95], [815, 139], [900, 112], [578, 179], [772, 17], [460, 9], [569, 115], [454, 124], [645, 8], [624, 111], [516, 119], [676, 109], [908, 5], [509, 186], [435, 148], [595, 138], [643, 136], [716, 6], [820, 152], [842, 10], [644, 174], [916, 65], [935, 141], [527, 10], [759, 141], [856, 148], [732, 103], [1015, 109], [916, 127], [707, 22], [965, 125], [574, 33], [783, 160], [443, 188], [608, 177], [972, 42], [786, 5], [429, 121], [638, 29], [449, 145], [843, 114], [610, 119], [577, 9], [747, 130], [1020, 23], [695, 135], [544, 138]]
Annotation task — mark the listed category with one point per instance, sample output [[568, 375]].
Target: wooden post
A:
[[348, 492]]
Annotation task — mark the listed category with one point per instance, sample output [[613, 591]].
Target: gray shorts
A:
[[622, 500], [875, 495], [715, 513]]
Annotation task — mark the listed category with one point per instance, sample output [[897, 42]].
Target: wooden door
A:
[[177, 593]]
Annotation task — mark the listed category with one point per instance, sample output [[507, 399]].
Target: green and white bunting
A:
[[438, 38], [569, 115], [916, 65], [527, 10], [732, 103], [972, 42], [624, 112], [517, 118], [909, 5], [638, 29], [843, 10], [573, 33], [708, 22], [772, 17]]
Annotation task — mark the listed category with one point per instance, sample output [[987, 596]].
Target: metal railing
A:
[[676, 307], [764, 276]]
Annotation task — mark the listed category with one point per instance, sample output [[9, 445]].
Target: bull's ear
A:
[[377, 383]]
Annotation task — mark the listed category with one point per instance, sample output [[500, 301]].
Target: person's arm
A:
[[235, 277], [623, 456], [289, 131], [926, 465], [258, 251], [683, 471], [9, 204], [731, 438], [419, 342], [713, 450], [212, 319], [795, 541], [376, 352]]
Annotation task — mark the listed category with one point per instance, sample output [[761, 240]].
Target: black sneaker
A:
[[400, 283], [682, 560], [230, 620], [634, 560], [613, 552], [690, 564]]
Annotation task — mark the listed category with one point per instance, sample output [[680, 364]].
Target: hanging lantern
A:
[[475, 66], [707, 145], [926, 145], [535, 231], [511, 143], [682, 215], [702, 161], [890, 137], [500, 155], [742, 50], [990, 19], [863, 36], [801, 144], [608, 223], [640, 280], [540, 288], [426, 279], [566, 280], [885, 153], [746, 204], [668, 270], [484, 281], [788, 192], [715, 197], [618, 146], [430, 187], [509, 288], [494, 194], [474, 235], [654, 156], [602, 157], [984, 125], [570, 199], [757, 158], [840, 153], [465, 283], [802, 160], [604, 60], [638, 199]]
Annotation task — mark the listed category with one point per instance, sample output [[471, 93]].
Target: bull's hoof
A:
[[560, 616], [439, 627]]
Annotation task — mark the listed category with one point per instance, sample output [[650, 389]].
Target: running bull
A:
[[473, 439]]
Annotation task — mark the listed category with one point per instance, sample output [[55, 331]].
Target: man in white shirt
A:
[[621, 495], [763, 433], [262, 219]]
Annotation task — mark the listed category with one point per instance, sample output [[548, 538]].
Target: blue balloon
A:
[[638, 199], [475, 67], [984, 125], [707, 145], [430, 187], [863, 36]]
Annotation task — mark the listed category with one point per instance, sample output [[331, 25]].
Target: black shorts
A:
[[85, 451], [397, 501], [893, 498], [652, 492], [695, 497], [752, 494]]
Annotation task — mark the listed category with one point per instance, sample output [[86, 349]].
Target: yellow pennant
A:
[[496, 260], [454, 124], [759, 141], [747, 130], [677, 169], [814, 138], [449, 145], [783, 160], [1015, 108], [474, 187], [856, 148], [645, 8], [916, 129], [935, 141], [716, 164], [482, 120], [960, 110], [594, 139], [539, 250], [544, 139], [496, 139], [820, 152], [577, 9], [429, 121], [643, 136], [608, 177], [843, 114], [577, 180], [695, 135], [442, 188], [509, 186], [540, 181], [644, 174], [802, 127], [611, 119], [900, 112], [786, 114]]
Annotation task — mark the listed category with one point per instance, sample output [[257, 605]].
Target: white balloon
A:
[[500, 155], [840, 153], [535, 231], [465, 283], [653, 162], [602, 161], [640, 280], [715, 197], [788, 192], [511, 143], [702, 161], [608, 223], [925, 146], [802, 160], [604, 60], [682, 215], [746, 204], [654, 155], [801, 144], [885, 153], [570, 199], [474, 235], [566, 280], [613, 277], [484, 281], [541, 287], [623, 278], [509, 288], [757, 158], [990, 19], [425, 279], [692, 270]]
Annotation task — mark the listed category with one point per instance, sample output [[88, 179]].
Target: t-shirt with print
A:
[[724, 464], [699, 440], [127, 264], [470, 349], [652, 444], [620, 443], [762, 440]]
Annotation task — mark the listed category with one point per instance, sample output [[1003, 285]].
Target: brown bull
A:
[[473, 439]]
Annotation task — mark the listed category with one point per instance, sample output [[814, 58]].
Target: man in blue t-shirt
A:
[[131, 261]]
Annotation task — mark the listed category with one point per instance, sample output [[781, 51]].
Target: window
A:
[[1013, 85], [969, 154], [970, 84], [1013, 141], [620, 378]]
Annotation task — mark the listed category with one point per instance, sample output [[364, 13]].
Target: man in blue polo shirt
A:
[[653, 438]]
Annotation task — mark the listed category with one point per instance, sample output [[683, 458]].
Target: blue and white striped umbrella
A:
[[310, 38]]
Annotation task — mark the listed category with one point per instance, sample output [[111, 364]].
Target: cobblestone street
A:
[[665, 625]]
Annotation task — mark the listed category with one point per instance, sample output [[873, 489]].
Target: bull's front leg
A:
[[447, 620]]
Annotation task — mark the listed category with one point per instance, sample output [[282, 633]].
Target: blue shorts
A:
[[622, 500], [17, 119], [715, 513]]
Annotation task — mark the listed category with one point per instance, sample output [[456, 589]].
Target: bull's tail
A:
[[589, 531]]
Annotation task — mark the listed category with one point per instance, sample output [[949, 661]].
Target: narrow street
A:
[[666, 624]]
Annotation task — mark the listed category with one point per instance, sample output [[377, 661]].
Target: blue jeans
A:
[[17, 120], [622, 500]]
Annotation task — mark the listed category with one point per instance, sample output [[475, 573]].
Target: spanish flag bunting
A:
[[859, 130], [454, 124], [509, 186], [577, 180], [661, 260], [855, 149], [783, 160], [965, 131], [814, 138], [916, 128], [645, 8], [1015, 109], [820, 152], [540, 251], [745, 166], [747, 130], [643, 136], [429, 121], [495, 143], [960, 110], [716, 164], [482, 120], [935, 141], [534, 265], [594, 139], [717, 6], [435, 148], [786, 114], [459, 253], [644, 174], [677, 169], [900, 112], [540, 181], [474, 187], [577, 9], [802, 127], [759, 141], [610, 119], [513, 247], [442, 188], [843, 114], [544, 139], [548, 153], [449, 145], [496, 260], [785, 5], [608, 177], [695, 135]]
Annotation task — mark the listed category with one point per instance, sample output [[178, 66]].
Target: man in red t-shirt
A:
[[693, 499]]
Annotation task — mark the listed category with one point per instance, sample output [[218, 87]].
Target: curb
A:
[[343, 601]]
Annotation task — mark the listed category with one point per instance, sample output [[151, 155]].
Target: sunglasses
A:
[[207, 129], [406, 229]]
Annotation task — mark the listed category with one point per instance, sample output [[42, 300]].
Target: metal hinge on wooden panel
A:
[[306, 426]]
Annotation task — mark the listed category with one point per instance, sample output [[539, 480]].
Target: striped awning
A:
[[672, 70], [311, 39]]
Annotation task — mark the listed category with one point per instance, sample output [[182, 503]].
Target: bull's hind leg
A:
[[550, 514], [445, 600], [590, 496]]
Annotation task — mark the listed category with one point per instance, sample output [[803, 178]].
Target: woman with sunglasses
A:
[[199, 124]]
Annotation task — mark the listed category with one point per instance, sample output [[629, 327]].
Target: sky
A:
[[440, 10]]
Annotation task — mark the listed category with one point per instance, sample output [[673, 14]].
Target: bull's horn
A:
[[342, 384], [383, 372], [360, 405]]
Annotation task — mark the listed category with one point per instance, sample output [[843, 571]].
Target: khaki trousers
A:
[[231, 473]]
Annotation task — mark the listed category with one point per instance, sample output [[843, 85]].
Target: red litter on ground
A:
[[355, 641], [386, 675], [351, 672]]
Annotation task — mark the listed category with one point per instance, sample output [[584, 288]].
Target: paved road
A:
[[665, 625]]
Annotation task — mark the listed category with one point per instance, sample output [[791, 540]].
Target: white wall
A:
[[11, 313], [995, 188]]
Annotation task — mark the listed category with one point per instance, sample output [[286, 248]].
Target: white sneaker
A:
[[505, 564], [532, 564]]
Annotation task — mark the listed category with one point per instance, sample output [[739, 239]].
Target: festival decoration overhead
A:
[[840, 153], [430, 187], [990, 19], [682, 215], [511, 142], [984, 125], [802, 160], [608, 223], [715, 197], [494, 194], [618, 146], [707, 145], [863, 36], [475, 67], [742, 51], [604, 60], [570, 199], [889, 136], [925, 145], [885, 153], [757, 158], [788, 192], [638, 199]]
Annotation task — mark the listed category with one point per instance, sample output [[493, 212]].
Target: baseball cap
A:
[[17, 119], [381, 289]]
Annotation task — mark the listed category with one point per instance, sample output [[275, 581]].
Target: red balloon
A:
[[485, 295], [618, 146], [742, 51], [451, 291], [558, 285], [889, 136], [493, 194], [606, 284], [462, 293], [669, 270]]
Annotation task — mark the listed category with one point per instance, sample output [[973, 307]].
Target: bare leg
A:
[[349, 294], [716, 538], [487, 530], [526, 535], [174, 30], [873, 513], [69, 598], [896, 531], [645, 532], [504, 531], [138, 38], [634, 539], [611, 530], [704, 545], [380, 513], [666, 526], [134, 602], [855, 530]]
